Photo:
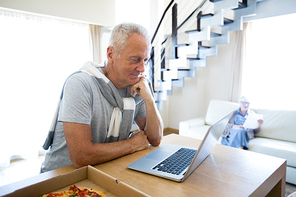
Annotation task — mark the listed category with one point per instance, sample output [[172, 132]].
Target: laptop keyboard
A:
[[177, 162]]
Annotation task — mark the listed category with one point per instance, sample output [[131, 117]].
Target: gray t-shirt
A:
[[83, 103]]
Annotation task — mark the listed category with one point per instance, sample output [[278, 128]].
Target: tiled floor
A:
[[290, 189]]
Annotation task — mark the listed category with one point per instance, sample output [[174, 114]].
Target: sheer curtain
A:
[[95, 35], [37, 55], [237, 61]]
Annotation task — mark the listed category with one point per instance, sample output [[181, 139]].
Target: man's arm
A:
[[152, 124], [82, 150]]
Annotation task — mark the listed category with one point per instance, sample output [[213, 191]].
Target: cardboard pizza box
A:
[[84, 177]]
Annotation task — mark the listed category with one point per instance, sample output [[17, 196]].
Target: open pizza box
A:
[[82, 177]]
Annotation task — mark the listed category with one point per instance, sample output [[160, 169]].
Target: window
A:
[[37, 55], [269, 68]]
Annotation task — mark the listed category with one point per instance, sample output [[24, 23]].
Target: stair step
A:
[[178, 82], [242, 5], [214, 34], [160, 95], [191, 31], [227, 21], [182, 45], [159, 104], [215, 1], [183, 69], [197, 61], [186, 73], [202, 46], [193, 58]]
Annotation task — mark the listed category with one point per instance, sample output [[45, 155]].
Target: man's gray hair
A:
[[122, 32]]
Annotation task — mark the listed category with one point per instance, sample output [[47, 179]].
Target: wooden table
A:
[[226, 172]]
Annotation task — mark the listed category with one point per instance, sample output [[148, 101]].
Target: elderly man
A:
[[100, 102]]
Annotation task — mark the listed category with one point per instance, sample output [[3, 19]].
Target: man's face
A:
[[128, 66]]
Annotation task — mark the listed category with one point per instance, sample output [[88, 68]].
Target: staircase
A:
[[186, 46]]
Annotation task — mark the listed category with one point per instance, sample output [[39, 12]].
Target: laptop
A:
[[162, 161]]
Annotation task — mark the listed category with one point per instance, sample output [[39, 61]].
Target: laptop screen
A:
[[209, 142]]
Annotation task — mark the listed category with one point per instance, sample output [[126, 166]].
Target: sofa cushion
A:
[[218, 109], [278, 124], [277, 148], [187, 124], [196, 132]]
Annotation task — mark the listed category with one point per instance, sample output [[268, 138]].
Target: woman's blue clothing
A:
[[237, 137]]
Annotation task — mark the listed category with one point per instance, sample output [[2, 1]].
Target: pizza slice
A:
[[77, 191]]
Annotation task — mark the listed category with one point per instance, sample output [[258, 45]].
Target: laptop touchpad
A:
[[158, 155]]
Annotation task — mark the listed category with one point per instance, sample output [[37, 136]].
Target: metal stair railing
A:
[[174, 47]]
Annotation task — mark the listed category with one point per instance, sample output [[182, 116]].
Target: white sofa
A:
[[277, 136]]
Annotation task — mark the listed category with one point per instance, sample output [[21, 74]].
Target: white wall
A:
[[100, 12], [137, 11]]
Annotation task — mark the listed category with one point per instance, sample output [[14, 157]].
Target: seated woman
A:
[[235, 135]]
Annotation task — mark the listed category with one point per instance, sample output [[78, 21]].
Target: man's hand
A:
[[139, 141], [152, 124], [141, 88], [82, 150]]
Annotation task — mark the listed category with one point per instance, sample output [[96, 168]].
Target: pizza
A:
[[77, 191]]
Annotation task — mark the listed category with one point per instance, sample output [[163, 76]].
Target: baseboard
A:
[[169, 130]]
